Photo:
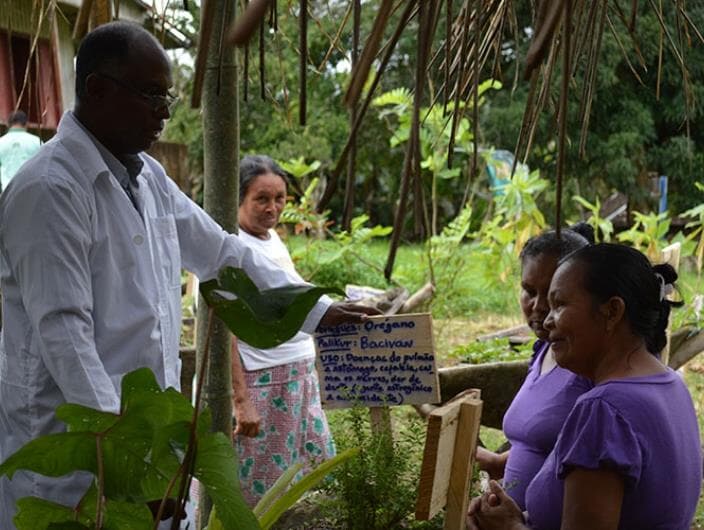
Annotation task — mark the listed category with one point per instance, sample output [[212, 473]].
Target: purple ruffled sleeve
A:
[[596, 436]]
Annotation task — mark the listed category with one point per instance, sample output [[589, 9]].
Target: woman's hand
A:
[[491, 462], [494, 510], [247, 418]]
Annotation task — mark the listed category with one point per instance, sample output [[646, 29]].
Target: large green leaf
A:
[[216, 469], [124, 440], [170, 415], [263, 319], [141, 448], [54, 455], [34, 513], [123, 515], [117, 515], [83, 419], [39, 514]]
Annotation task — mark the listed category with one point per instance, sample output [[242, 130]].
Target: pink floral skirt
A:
[[293, 426]]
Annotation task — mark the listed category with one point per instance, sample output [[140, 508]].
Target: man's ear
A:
[[96, 86], [613, 311]]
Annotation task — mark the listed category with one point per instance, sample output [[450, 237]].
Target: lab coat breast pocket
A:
[[166, 250]]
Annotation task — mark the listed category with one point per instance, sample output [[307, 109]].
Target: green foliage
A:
[[636, 126], [493, 350], [377, 489], [303, 214], [297, 167], [308, 482], [347, 259], [134, 456], [603, 228], [647, 233], [278, 498], [696, 227], [448, 257], [262, 318], [517, 218], [435, 136]]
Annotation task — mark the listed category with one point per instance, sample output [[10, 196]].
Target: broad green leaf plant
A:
[[435, 134], [150, 450], [135, 456]]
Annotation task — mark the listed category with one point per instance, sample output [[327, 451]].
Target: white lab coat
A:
[[91, 291]]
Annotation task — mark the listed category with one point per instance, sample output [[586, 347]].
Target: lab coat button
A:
[[138, 240]]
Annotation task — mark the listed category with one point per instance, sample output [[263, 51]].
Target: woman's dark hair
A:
[[617, 270], [252, 166], [573, 238]]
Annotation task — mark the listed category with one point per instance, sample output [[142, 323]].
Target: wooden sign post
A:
[[450, 445], [671, 255]]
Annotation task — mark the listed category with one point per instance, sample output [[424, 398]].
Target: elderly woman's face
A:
[[536, 273], [576, 327], [262, 204]]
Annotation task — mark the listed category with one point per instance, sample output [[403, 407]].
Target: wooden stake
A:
[[447, 459], [671, 255], [462, 459]]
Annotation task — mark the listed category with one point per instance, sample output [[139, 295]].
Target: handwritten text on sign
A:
[[382, 361]]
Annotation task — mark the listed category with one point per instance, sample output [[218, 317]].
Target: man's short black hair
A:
[[17, 118], [106, 49]]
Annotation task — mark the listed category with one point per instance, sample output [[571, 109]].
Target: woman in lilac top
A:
[[536, 415], [629, 454]]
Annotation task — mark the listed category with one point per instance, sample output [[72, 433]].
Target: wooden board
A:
[[450, 445], [386, 360]]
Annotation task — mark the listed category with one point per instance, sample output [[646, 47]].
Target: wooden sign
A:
[[450, 444], [384, 361]]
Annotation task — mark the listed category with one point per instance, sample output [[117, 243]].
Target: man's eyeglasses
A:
[[156, 101]]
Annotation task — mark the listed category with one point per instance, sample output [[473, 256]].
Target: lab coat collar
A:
[[87, 152]]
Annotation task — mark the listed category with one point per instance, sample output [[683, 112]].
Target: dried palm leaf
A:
[[247, 23], [359, 74]]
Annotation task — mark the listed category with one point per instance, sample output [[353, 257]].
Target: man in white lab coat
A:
[[93, 236]]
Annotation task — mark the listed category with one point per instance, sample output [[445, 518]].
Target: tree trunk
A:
[[220, 200]]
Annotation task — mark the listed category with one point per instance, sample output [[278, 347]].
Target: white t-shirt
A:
[[300, 346]]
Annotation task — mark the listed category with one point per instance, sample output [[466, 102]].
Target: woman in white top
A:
[[279, 418]]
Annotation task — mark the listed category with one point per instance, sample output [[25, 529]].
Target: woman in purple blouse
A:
[[629, 454], [536, 415]]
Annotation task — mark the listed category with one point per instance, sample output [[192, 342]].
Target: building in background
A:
[[37, 53]]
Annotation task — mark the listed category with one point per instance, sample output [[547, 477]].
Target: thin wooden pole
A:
[[562, 118], [303, 64], [352, 158]]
